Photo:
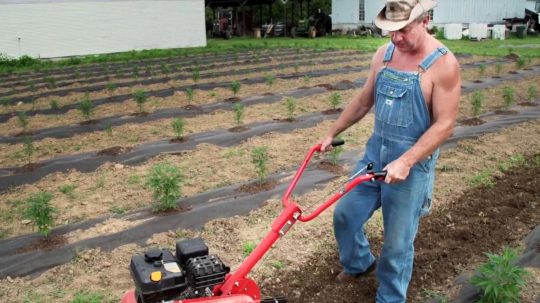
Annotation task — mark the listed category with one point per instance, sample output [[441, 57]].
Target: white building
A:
[[352, 13], [58, 28]]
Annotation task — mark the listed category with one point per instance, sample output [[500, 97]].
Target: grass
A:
[[68, 190], [248, 248]]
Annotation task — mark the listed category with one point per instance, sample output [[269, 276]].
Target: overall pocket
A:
[[393, 105]]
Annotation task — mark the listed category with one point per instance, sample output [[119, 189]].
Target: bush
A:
[[335, 100], [259, 157], [23, 119], [500, 279], [509, 96], [334, 154], [165, 180], [235, 87], [86, 107], [140, 97], [178, 125], [269, 79], [40, 211], [477, 101], [28, 148], [290, 104], [189, 94], [196, 75], [239, 110], [55, 105]]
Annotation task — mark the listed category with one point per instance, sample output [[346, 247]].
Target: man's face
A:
[[409, 37]]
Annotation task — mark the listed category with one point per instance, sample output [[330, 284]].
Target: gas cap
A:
[[153, 254]]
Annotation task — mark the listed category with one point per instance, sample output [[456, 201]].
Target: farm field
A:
[[90, 136]]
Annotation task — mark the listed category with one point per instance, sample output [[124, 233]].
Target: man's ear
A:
[[426, 20]]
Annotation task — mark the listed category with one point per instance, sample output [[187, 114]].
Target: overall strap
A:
[[431, 58], [389, 53]]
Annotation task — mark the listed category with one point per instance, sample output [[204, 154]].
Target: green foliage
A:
[[40, 211], [178, 125], [437, 296], [88, 297], [477, 101], [196, 75], [108, 129], [278, 264], [239, 110], [165, 181], [532, 93], [111, 87], [259, 157], [54, 104], [135, 72], [248, 248], [500, 279], [28, 148], [117, 209], [483, 178], [68, 190], [235, 87], [290, 104], [297, 69], [512, 162], [481, 69], [334, 154], [23, 119], [86, 107], [189, 94], [509, 96], [269, 80], [4, 102], [306, 79], [521, 62], [335, 100], [51, 82], [140, 97]]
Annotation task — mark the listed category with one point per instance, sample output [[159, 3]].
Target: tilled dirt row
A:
[[303, 263]]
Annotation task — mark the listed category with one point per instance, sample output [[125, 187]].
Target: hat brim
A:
[[389, 25]]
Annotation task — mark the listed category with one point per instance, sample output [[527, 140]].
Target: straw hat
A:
[[399, 13]]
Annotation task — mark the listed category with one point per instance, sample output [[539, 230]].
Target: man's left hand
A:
[[397, 171]]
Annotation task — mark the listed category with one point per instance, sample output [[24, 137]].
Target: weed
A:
[[498, 68], [212, 94], [28, 148], [135, 72], [483, 178], [108, 129], [51, 82], [512, 162], [248, 248], [306, 79], [68, 190], [297, 68], [115, 209], [234, 152], [4, 102], [178, 125], [140, 97], [509, 95], [335, 100], [40, 211], [239, 110], [521, 62], [3, 233], [437, 296], [446, 168], [189, 94], [100, 182], [235, 87], [23, 119], [196, 75], [165, 180], [278, 264], [88, 297], [165, 69], [134, 180], [477, 101], [532, 93], [481, 69], [269, 80], [335, 153], [32, 85], [86, 107], [259, 157], [537, 160], [500, 279], [290, 104], [54, 104], [111, 87]]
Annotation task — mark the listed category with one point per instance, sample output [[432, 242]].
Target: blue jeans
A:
[[402, 206]]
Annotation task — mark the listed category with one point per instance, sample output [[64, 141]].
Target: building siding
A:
[[49, 29]]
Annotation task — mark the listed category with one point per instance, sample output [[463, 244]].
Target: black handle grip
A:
[[337, 142], [379, 174]]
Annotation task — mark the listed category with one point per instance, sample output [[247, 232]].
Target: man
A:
[[414, 85]]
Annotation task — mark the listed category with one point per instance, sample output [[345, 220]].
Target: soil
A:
[[28, 168], [257, 186], [472, 121], [238, 129], [332, 111], [179, 140], [331, 167], [114, 151], [527, 103], [505, 112], [45, 243]]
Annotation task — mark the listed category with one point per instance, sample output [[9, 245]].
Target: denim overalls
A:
[[401, 117]]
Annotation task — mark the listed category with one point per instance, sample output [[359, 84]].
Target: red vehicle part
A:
[[237, 288]]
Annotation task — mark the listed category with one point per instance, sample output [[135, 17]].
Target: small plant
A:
[[278, 264], [68, 190], [28, 148], [269, 80], [4, 102], [481, 69], [108, 129], [196, 75], [483, 178], [140, 97], [235, 87], [307, 79], [296, 68], [23, 120], [290, 104], [117, 209], [335, 100], [334, 154], [498, 68], [532, 93], [239, 110], [40, 211], [135, 72], [477, 101], [512, 162], [259, 157], [88, 297], [500, 279], [509, 96], [54, 104], [86, 107], [189, 94], [51, 82], [521, 62], [111, 87], [165, 180], [248, 248], [178, 125]]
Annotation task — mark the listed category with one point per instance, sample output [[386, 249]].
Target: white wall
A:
[[345, 14], [58, 28]]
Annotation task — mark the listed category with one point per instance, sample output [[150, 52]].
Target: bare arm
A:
[[359, 106], [445, 101]]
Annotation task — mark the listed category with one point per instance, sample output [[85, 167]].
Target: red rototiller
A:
[[194, 276]]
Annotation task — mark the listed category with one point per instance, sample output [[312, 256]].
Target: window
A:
[[362, 11]]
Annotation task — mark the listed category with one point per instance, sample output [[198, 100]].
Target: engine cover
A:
[[205, 272]]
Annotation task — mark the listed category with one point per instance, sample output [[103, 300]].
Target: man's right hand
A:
[[326, 144]]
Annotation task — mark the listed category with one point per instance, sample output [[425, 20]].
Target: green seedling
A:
[[115, 209], [196, 75], [4, 102], [335, 100], [108, 129], [23, 120], [248, 248], [498, 68], [178, 125], [239, 110], [296, 68], [269, 80], [306, 79], [189, 94], [88, 297], [135, 72], [278, 264], [86, 107], [512, 162], [140, 97], [235, 87], [165, 181], [477, 101], [51, 82], [481, 69], [290, 104], [54, 104], [111, 87], [68, 190], [521, 62], [165, 69], [500, 279], [40, 211], [28, 148], [509, 96], [118, 73], [335, 153], [31, 85], [532, 93], [259, 157], [148, 71], [483, 178]]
